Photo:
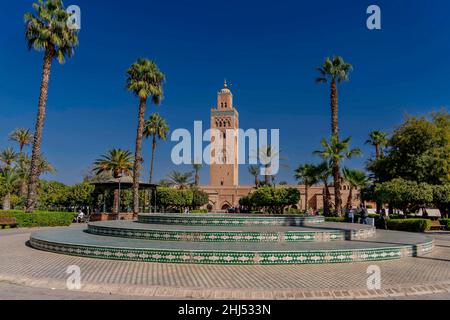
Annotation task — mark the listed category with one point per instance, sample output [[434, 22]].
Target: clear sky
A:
[[268, 50]]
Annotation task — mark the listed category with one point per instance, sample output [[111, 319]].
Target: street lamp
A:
[[120, 175]]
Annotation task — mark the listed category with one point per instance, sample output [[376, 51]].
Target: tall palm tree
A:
[[23, 137], [8, 181], [336, 152], [157, 128], [116, 162], [180, 180], [255, 171], [356, 179], [197, 168], [8, 157], [307, 174], [379, 140], [46, 30], [334, 70], [324, 173], [268, 153], [145, 80]]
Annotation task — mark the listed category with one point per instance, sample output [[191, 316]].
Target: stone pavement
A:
[[26, 273]]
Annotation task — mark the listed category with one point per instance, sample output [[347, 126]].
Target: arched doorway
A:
[[210, 207], [226, 207]]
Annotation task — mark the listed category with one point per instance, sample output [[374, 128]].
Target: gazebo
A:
[[120, 184]]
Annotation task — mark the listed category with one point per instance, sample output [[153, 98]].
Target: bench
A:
[[8, 222], [436, 226]]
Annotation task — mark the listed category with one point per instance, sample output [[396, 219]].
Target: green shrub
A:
[[41, 218], [336, 219], [445, 223], [410, 225], [199, 211]]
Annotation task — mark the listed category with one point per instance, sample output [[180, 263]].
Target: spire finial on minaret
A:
[[225, 84]]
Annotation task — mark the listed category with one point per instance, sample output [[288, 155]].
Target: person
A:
[[351, 215], [384, 219], [364, 214], [80, 216]]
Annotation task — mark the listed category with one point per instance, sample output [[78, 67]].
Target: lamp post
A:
[[120, 175]]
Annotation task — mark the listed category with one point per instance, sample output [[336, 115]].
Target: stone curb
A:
[[233, 294]]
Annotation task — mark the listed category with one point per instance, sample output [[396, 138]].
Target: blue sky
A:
[[268, 50]]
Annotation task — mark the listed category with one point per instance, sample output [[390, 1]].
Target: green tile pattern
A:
[[229, 236], [231, 220], [235, 257]]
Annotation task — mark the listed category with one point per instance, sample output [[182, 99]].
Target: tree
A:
[[174, 198], [307, 174], [8, 183], [335, 152], [334, 70], [157, 128], [46, 30], [254, 171], [52, 195], [324, 172], [81, 194], [116, 162], [379, 140], [145, 80], [180, 180], [197, 168], [23, 137], [419, 150], [199, 198], [357, 180], [441, 198], [409, 196], [8, 157], [268, 154], [274, 200]]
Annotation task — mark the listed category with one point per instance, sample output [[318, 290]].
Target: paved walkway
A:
[[29, 273]]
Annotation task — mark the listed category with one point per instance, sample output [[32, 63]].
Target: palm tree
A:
[[307, 174], [8, 180], [197, 168], [116, 162], [23, 137], [23, 170], [254, 171], [180, 180], [356, 179], [334, 70], [8, 157], [145, 80], [44, 166], [379, 140], [46, 30], [336, 152], [157, 128], [324, 172], [268, 153]]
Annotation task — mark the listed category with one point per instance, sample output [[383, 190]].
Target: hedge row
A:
[[41, 219], [336, 219], [199, 211], [410, 225], [446, 223]]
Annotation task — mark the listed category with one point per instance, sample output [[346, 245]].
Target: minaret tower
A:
[[225, 118]]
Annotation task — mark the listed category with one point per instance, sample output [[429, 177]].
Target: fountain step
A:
[[384, 246], [258, 233], [229, 219]]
